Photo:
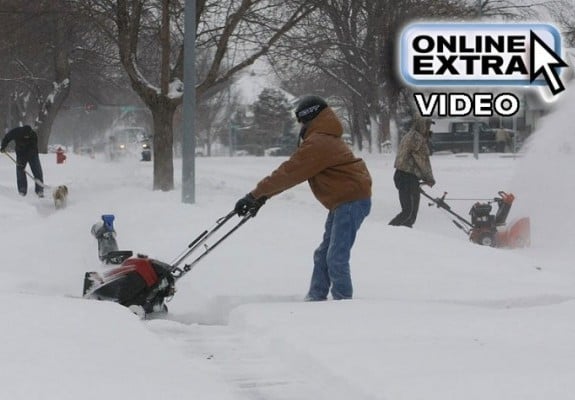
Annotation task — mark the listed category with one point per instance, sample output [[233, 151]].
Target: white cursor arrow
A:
[[545, 61]]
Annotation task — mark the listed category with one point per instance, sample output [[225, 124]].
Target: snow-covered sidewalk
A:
[[434, 317]]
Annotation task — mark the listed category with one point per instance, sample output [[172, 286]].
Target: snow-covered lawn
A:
[[434, 317]]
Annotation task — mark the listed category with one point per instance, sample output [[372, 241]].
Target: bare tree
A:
[[507, 9], [213, 116], [356, 48], [149, 35], [44, 44], [38, 50], [563, 12], [353, 42]]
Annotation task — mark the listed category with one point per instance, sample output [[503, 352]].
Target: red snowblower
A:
[[142, 284], [486, 228]]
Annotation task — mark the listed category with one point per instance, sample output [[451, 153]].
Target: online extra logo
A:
[[479, 55]]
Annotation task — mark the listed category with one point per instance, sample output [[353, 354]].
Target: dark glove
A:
[[249, 205]]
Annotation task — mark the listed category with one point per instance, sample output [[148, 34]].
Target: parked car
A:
[[85, 151], [129, 141], [272, 151], [146, 149], [457, 135]]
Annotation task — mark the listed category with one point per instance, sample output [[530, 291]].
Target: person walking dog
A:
[[26, 143]]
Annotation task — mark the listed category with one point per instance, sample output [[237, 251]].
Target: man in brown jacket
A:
[[338, 179], [412, 166]]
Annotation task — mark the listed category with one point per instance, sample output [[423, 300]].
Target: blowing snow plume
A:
[[545, 179]]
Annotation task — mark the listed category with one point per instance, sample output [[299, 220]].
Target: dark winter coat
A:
[[334, 174], [25, 139]]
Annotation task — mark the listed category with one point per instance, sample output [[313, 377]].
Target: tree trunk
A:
[[373, 132], [49, 112], [209, 142], [163, 116], [61, 87], [384, 127], [355, 125]]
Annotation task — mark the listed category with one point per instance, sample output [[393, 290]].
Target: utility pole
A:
[[189, 105], [476, 139], [231, 139], [9, 116]]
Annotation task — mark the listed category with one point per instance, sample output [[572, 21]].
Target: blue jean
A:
[[331, 258]]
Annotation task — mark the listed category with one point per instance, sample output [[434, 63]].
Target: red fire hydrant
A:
[[60, 156]]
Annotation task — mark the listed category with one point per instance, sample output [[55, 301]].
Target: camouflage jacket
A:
[[413, 156]]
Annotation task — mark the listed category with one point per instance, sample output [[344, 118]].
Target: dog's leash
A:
[[37, 181]]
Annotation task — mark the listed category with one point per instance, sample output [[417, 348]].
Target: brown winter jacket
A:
[[334, 174]]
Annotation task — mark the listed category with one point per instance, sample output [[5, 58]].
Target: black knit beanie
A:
[[309, 107]]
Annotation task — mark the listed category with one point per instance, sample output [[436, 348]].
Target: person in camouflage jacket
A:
[[412, 167]]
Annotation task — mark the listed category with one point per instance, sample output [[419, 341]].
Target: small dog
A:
[[60, 196]]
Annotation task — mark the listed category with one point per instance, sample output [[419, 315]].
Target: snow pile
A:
[[57, 348], [544, 178]]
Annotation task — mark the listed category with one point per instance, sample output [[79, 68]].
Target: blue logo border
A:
[[443, 26]]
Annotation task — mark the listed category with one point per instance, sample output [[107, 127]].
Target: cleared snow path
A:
[[250, 369]]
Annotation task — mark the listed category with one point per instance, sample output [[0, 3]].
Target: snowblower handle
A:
[[200, 240], [227, 217], [219, 222], [202, 237], [177, 273], [440, 202], [507, 198]]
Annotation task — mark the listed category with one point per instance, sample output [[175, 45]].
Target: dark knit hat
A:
[[309, 107]]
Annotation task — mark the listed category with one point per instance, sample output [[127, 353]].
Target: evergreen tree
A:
[[272, 118]]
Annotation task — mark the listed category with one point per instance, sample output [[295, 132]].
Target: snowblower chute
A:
[[140, 283], [486, 228]]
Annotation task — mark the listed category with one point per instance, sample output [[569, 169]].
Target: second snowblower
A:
[[489, 229], [140, 283]]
